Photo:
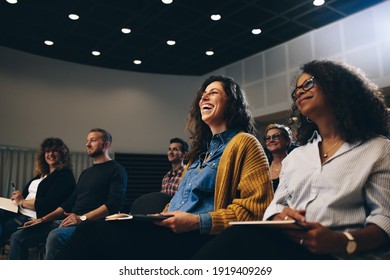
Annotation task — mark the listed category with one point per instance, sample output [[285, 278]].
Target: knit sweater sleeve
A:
[[243, 188]]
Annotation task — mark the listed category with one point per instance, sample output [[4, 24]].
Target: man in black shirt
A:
[[100, 191]]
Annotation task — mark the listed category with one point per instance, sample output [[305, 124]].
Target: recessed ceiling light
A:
[[318, 2], [167, 1], [171, 42], [12, 1], [256, 31], [126, 30], [209, 53], [137, 61], [49, 43], [96, 53], [216, 17], [74, 17]]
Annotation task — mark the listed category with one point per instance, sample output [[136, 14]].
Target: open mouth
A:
[[207, 107]]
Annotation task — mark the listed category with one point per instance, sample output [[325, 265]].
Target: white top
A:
[[344, 193], [32, 192]]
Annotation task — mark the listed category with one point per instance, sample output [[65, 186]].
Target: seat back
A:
[[150, 203]]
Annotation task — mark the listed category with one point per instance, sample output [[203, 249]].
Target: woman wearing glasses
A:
[[336, 185], [277, 141]]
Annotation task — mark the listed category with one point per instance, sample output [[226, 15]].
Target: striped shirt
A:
[[346, 192]]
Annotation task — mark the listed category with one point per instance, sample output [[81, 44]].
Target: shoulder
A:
[[378, 145], [243, 137], [379, 140], [64, 171], [244, 143]]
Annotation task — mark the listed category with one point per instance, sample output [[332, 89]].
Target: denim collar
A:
[[222, 138]]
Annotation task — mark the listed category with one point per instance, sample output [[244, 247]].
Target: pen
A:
[[13, 186], [290, 204]]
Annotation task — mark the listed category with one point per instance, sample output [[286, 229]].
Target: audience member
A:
[[226, 179], [337, 181], [177, 151], [100, 191], [277, 140], [53, 184]]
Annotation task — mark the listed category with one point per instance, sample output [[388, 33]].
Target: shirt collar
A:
[[315, 136], [225, 136]]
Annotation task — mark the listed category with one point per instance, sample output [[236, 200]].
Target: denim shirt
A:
[[196, 189]]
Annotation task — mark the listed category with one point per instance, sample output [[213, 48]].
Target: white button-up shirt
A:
[[346, 192]]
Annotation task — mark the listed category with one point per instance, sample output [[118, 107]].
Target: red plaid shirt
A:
[[170, 182]]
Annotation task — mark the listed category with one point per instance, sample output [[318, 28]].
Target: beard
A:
[[96, 153]]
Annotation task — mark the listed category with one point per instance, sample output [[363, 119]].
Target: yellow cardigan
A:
[[243, 188]]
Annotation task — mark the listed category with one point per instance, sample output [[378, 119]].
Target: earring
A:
[[308, 120]]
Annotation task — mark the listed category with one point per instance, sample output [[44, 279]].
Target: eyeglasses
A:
[[306, 85], [275, 136]]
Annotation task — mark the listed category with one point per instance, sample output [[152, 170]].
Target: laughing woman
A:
[[226, 179]]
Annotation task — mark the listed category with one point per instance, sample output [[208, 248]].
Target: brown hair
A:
[[50, 144]]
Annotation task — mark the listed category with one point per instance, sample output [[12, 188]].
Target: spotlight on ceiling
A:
[[74, 17], [216, 17], [256, 31], [318, 2]]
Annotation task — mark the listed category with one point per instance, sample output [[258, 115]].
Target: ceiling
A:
[[26, 25]]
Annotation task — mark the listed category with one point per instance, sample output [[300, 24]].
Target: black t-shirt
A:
[[103, 183]]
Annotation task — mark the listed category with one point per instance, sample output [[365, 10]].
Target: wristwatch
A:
[[83, 218], [351, 245]]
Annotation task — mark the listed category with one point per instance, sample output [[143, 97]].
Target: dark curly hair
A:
[[237, 114], [52, 144], [356, 102]]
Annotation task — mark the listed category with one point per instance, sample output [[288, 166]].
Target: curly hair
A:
[[52, 144], [356, 102], [237, 115]]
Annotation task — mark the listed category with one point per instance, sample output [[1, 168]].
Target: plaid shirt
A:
[[170, 182]]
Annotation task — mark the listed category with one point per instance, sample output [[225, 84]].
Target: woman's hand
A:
[[17, 197], [33, 221], [180, 221], [290, 214], [318, 239]]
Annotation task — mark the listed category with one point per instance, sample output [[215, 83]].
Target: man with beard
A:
[[100, 191], [177, 151]]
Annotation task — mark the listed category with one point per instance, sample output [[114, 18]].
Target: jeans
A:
[[56, 240], [24, 239], [9, 222]]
